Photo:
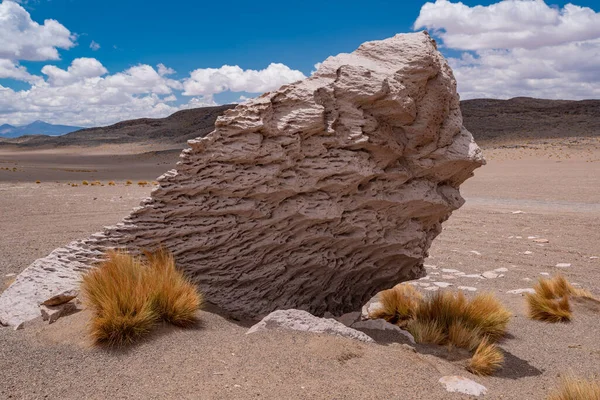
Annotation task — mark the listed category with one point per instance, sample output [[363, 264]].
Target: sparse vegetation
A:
[[447, 318], [111, 183], [85, 183], [38, 182], [573, 388], [142, 183], [129, 296], [550, 302], [487, 359], [128, 182]]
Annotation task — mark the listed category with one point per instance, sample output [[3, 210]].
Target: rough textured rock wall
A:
[[315, 196]]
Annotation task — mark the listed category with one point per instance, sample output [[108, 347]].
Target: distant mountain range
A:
[[489, 120], [36, 128]]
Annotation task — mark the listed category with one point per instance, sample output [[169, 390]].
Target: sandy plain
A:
[[540, 189]]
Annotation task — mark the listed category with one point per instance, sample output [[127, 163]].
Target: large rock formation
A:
[[315, 196]]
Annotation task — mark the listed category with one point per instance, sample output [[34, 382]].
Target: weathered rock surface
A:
[[298, 320], [315, 196], [460, 384]]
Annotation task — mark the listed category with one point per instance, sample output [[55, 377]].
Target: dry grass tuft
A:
[[399, 304], [175, 298], [573, 388], [550, 302], [142, 183], [129, 296], [119, 294], [38, 182], [85, 183], [128, 182], [111, 183], [487, 359], [427, 332]]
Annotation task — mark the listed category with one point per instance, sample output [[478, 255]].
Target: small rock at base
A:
[[61, 298], [53, 313], [541, 240], [563, 265], [461, 384], [521, 291]]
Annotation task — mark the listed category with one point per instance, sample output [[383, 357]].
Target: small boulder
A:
[[61, 298], [299, 320], [461, 384], [53, 313], [383, 325]]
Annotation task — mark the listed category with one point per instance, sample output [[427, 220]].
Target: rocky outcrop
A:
[[315, 196], [298, 320]]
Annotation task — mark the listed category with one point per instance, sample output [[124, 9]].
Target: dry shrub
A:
[[175, 298], [85, 183], [483, 315], [487, 359], [129, 296], [550, 302], [111, 183], [573, 388], [118, 293], [427, 332], [38, 182], [398, 304], [74, 185], [142, 183], [128, 183]]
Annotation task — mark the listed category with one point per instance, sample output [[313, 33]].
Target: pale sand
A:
[[560, 202]]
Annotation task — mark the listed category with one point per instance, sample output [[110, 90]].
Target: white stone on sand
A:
[[460, 384]]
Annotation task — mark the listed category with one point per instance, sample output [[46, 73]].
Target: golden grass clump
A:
[[85, 183], [142, 183], [119, 294], [128, 183], [129, 296], [398, 304], [111, 183], [573, 388], [38, 182], [487, 359], [550, 302], [175, 298]]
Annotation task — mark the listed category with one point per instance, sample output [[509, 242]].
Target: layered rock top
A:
[[315, 196]]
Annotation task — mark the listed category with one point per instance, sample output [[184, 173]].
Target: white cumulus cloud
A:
[[163, 70], [519, 47], [94, 45], [208, 81], [21, 38]]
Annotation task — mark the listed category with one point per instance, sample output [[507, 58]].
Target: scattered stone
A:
[[527, 279], [450, 270], [475, 252], [383, 325], [425, 278], [518, 212], [521, 291], [563, 265], [61, 298], [541, 241], [594, 258], [432, 288], [448, 277], [477, 276], [528, 252], [544, 273], [460, 384], [531, 237], [299, 320], [519, 237], [468, 288], [301, 164], [349, 318], [430, 266], [442, 284], [53, 313], [13, 274], [490, 275], [501, 269]]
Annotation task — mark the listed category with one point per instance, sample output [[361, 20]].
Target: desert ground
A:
[[540, 189]]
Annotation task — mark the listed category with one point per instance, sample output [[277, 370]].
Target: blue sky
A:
[[190, 35]]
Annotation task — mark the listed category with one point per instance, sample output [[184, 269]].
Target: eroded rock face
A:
[[315, 196]]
